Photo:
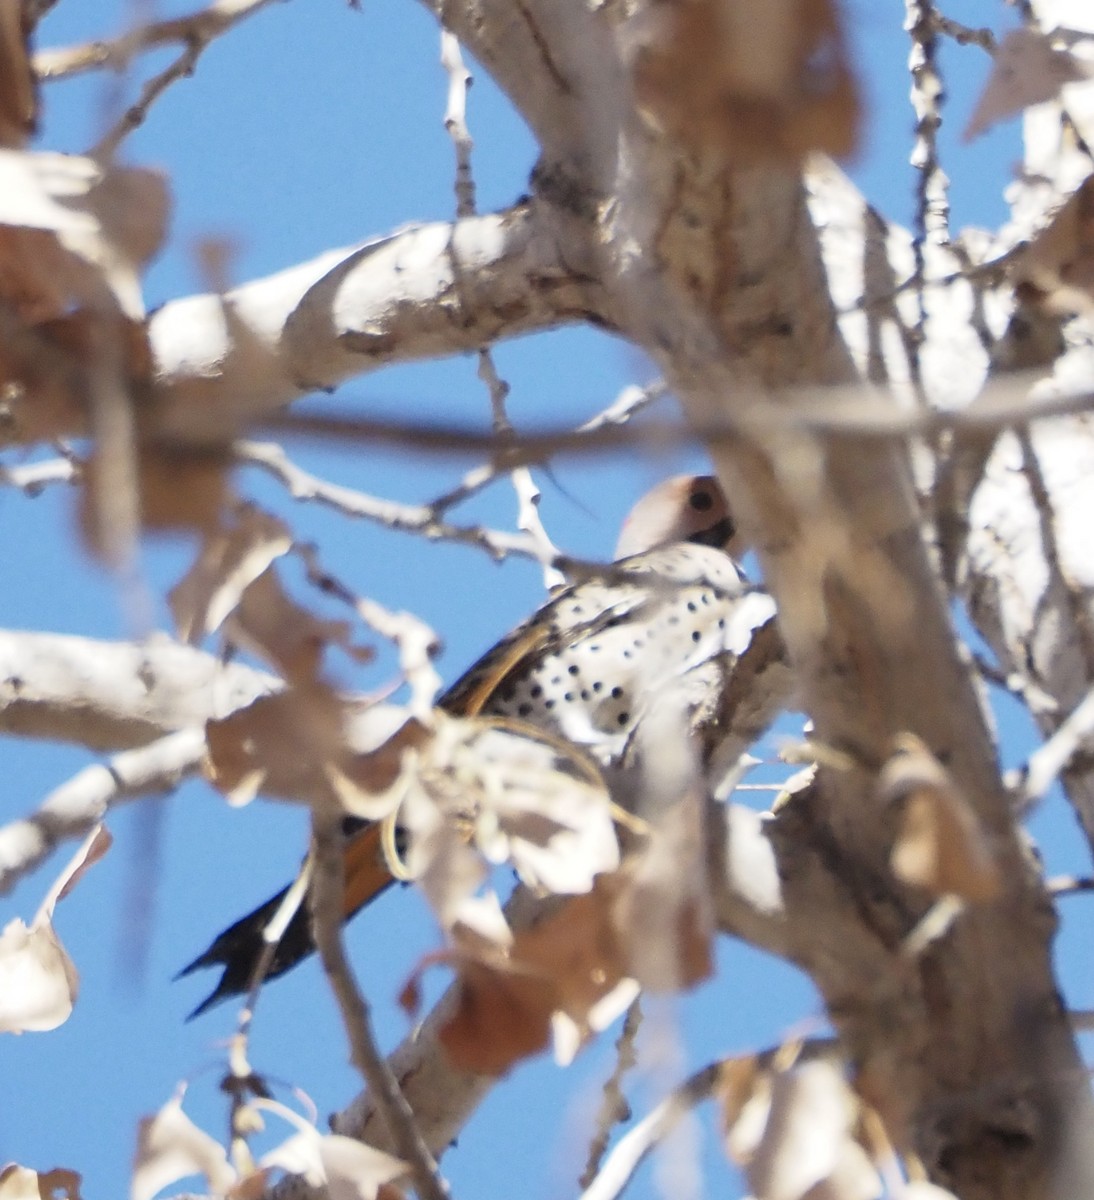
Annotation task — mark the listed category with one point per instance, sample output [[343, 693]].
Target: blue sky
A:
[[313, 126]]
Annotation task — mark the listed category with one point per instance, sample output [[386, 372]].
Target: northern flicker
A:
[[584, 667]]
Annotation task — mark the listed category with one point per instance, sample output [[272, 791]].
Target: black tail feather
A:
[[240, 946]]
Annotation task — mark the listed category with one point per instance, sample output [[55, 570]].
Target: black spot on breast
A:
[[574, 669], [623, 718], [536, 691], [617, 692], [523, 709], [695, 635]]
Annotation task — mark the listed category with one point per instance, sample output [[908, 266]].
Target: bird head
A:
[[686, 508]]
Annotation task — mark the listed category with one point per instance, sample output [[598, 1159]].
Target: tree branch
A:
[[115, 695], [396, 298], [73, 809]]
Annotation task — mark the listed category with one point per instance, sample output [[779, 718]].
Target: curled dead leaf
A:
[[309, 745], [792, 1131], [940, 846], [562, 979], [174, 488], [21, 1183], [1058, 264], [279, 745], [171, 1147], [232, 557], [38, 980], [1027, 69], [484, 789], [107, 221], [272, 625], [344, 1167]]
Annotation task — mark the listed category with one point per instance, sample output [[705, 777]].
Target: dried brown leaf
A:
[[47, 366], [171, 1147], [808, 1126], [38, 980], [662, 908], [106, 220], [1059, 261], [563, 976], [21, 1183], [940, 845], [310, 746], [183, 488], [232, 557], [503, 792], [1028, 69], [280, 745], [756, 83], [271, 624], [346, 1168]]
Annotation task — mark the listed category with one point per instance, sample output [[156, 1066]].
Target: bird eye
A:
[[701, 501]]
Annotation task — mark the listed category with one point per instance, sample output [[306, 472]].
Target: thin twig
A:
[[613, 1104], [1069, 885], [630, 401], [409, 518], [847, 412], [33, 478], [632, 1149], [455, 121], [932, 217], [1048, 762], [325, 899], [204, 27], [197, 28], [416, 642], [965, 35], [528, 494], [1034, 697]]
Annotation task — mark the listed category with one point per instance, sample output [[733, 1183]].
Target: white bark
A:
[[114, 695], [424, 291]]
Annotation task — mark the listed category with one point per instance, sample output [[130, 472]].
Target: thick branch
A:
[[114, 695], [429, 290]]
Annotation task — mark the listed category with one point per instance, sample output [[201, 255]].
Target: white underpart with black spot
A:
[[619, 646]]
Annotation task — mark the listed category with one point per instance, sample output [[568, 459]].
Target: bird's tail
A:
[[238, 949]]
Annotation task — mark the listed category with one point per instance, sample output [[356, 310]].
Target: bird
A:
[[582, 668]]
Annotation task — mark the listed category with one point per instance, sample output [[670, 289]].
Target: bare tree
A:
[[899, 418]]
